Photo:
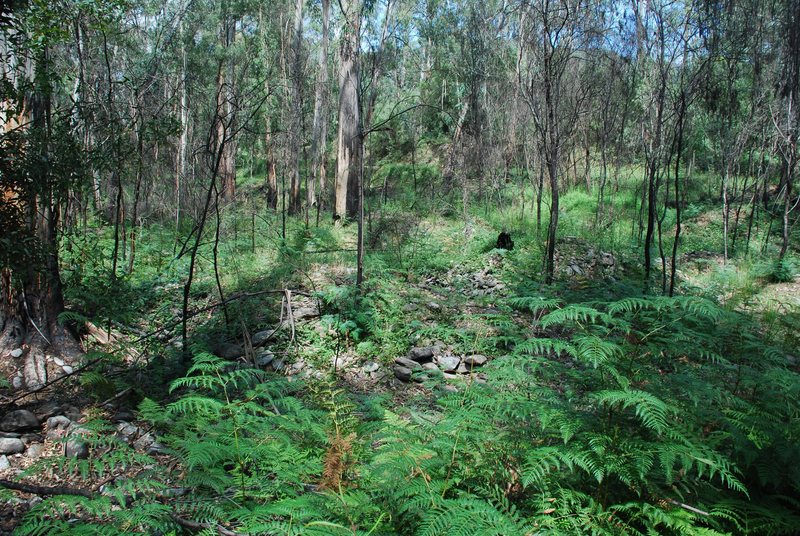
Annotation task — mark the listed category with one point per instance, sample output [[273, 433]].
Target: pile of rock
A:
[[422, 360], [576, 258], [23, 433]]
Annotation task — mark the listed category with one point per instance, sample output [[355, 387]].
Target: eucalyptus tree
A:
[[559, 34]]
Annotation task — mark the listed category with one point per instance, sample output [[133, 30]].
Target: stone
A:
[[433, 306], [607, 259], [278, 364], [407, 363], [410, 307], [260, 338], [402, 373], [475, 360], [264, 358], [430, 366], [371, 366], [67, 369], [10, 434], [47, 410], [16, 382], [229, 351], [421, 353], [450, 388], [304, 312], [76, 448], [30, 439], [19, 420], [4, 463], [144, 442], [123, 416], [127, 431], [34, 451], [462, 369], [17, 352], [58, 361], [11, 445], [448, 363], [73, 413]]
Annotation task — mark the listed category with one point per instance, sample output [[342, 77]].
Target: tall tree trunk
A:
[[226, 111], [349, 138], [296, 120], [319, 134]]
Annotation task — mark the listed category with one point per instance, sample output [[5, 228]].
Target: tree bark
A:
[[350, 143], [316, 182]]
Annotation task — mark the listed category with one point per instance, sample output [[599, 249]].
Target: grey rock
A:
[[30, 439], [127, 431], [260, 338], [144, 442], [475, 360], [19, 420], [264, 358], [607, 259], [299, 365], [17, 352], [47, 410], [58, 361], [59, 422], [278, 364], [410, 307], [123, 416], [430, 366], [76, 448], [371, 366], [4, 463], [422, 353], [10, 434], [407, 363], [450, 388], [462, 369], [73, 413], [448, 363], [304, 312], [156, 448], [16, 382], [67, 369], [433, 306], [10, 445], [229, 351], [34, 451], [402, 373]]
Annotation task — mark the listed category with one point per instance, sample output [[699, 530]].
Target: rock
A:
[[450, 388], [10, 445], [410, 307], [304, 312], [260, 338], [29, 439], [34, 451], [475, 360], [16, 382], [47, 410], [127, 431], [462, 369], [229, 351], [76, 448], [433, 306], [73, 413], [156, 448], [430, 366], [407, 363], [264, 358], [17, 352], [4, 463], [402, 373], [607, 259], [421, 353], [58, 361], [278, 365], [448, 363], [123, 416], [144, 442], [10, 434], [370, 367], [67, 369], [19, 420], [58, 422]]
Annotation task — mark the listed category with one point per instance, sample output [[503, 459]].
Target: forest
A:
[[399, 267]]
